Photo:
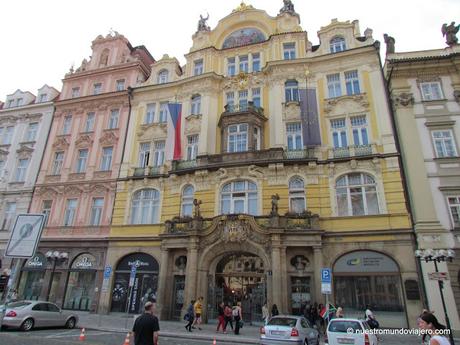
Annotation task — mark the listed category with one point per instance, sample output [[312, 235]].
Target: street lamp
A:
[[438, 255], [55, 257]]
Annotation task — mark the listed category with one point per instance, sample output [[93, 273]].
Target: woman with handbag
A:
[[189, 316]]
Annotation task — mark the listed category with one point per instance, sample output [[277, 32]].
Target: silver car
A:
[[288, 329], [29, 314]]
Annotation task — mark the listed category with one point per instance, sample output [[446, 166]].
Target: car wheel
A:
[[305, 342], [27, 325], [70, 323]]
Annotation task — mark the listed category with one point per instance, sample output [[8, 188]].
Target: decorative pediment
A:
[[84, 141], [31, 117], [403, 99], [242, 81], [99, 189], [61, 143], [192, 124], [108, 138], [24, 152], [72, 190], [152, 131], [291, 111], [346, 104], [8, 119], [47, 192]]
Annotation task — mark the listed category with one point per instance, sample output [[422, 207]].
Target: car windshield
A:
[[282, 321], [343, 326], [17, 304]]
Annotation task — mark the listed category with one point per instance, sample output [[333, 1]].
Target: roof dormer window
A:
[[337, 44], [163, 76], [43, 98]]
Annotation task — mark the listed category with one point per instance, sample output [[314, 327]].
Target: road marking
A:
[[65, 335]]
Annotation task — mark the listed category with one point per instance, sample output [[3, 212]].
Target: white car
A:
[[288, 330], [349, 331]]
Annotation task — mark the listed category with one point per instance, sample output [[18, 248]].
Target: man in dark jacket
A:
[[146, 327]]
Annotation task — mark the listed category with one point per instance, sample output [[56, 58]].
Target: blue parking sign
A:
[[326, 275]]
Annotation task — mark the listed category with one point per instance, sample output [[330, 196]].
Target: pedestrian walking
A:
[[265, 314], [228, 317], [431, 325], [275, 310], [198, 308], [339, 313], [146, 327], [237, 316], [221, 318], [370, 318], [189, 316]]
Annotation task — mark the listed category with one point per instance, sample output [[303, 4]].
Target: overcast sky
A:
[[40, 40]]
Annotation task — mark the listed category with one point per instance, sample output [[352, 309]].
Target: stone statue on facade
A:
[[450, 32], [275, 199], [390, 42], [202, 24], [196, 208], [288, 7]]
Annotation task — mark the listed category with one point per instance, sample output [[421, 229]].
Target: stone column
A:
[[162, 281], [191, 272], [318, 264], [276, 277], [285, 293]]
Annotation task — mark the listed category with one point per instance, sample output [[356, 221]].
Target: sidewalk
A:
[[123, 323]]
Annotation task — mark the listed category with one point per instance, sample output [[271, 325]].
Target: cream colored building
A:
[[290, 149], [425, 89]]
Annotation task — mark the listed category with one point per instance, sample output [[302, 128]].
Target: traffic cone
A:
[[126, 339], [82, 335], [214, 342]]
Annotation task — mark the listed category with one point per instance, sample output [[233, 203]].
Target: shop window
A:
[[187, 201], [79, 293], [356, 195], [145, 207], [239, 197]]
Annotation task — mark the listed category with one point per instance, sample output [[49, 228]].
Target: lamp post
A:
[[55, 257], [438, 255]]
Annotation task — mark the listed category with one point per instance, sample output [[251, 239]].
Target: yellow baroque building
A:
[[283, 163]]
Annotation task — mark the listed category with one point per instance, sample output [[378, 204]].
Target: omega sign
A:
[[234, 231], [84, 262]]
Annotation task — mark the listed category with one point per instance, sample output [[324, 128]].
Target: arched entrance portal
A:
[[239, 277]]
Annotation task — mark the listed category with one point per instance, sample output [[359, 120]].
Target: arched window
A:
[[163, 76], [145, 207], [187, 201], [239, 197], [296, 195], [356, 195], [196, 105], [291, 89], [337, 44], [104, 58]]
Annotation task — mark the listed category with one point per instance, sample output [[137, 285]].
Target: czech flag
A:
[[173, 142]]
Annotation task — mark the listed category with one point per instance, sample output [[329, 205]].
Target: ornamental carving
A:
[[457, 95], [300, 262], [3, 153], [151, 131], [192, 124], [242, 81], [47, 192], [108, 138], [60, 143], [72, 191], [234, 230], [32, 117], [24, 152], [403, 99], [84, 141], [291, 111], [77, 176], [8, 119], [346, 104], [99, 189]]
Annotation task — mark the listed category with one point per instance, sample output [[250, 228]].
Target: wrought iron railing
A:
[[242, 107], [299, 154]]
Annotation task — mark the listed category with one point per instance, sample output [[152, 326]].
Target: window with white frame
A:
[[289, 51], [231, 67], [10, 103], [96, 211], [145, 207], [81, 161], [244, 64], [296, 195], [192, 147], [89, 124], [356, 195], [256, 138], [159, 153], [21, 169], [243, 100], [239, 197], [163, 76], [150, 113], [359, 130], [7, 135], [10, 214], [106, 161], [291, 90], [294, 136], [57, 163], [31, 133], [75, 92], [46, 209], [67, 124], [337, 44], [333, 85], [163, 112], [431, 91], [69, 213], [113, 120], [43, 98], [454, 207], [120, 85], [256, 62], [352, 82], [196, 105], [339, 133], [187, 201], [198, 67], [256, 97], [444, 143], [230, 100], [144, 154], [97, 88], [238, 137], [19, 102]]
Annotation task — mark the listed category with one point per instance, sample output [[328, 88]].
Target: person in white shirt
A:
[[429, 323]]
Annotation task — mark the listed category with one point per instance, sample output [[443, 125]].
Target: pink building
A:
[[77, 180]]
